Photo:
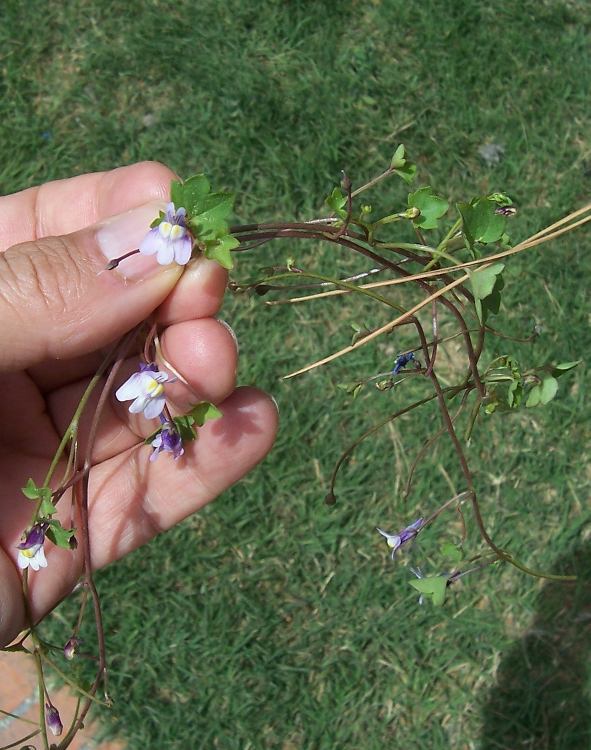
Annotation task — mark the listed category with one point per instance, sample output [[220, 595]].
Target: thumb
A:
[[58, 302]]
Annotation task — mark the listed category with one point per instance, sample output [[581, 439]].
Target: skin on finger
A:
[[203, 351], [11, 595], [133, 499], [66, 206], [197, 294]]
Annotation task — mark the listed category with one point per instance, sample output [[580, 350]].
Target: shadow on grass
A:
[[539, 701]]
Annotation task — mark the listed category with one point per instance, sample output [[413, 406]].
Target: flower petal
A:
[[182, 250], [154, 407], [131, 389], [139, 404], [151, 242], [165, 253]]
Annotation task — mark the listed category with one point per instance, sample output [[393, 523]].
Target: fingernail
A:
[[230, 330], [121, 234]]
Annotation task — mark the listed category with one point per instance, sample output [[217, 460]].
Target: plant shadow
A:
[[539, 701]]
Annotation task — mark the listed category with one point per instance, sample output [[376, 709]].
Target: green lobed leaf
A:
[[432, 207], [190, 193], [434, 587], [30, 490], [484, 279], [44, 494], [220, 250], [59, 536], [336, 201], [184, 425], [398, 159], [407, 172], [542, 393], [203, 412], [208, 218], [47, 508], [562, 367], [480, 221], [487, 284]]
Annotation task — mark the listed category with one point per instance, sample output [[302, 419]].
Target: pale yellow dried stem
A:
[[533, 241], [378, 332]]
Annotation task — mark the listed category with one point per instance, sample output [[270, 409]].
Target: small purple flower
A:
[[170, 240], [30, 551], [395, 541], [71, 648], [167, 441], [401, 361], [146, 390], [53, 720]]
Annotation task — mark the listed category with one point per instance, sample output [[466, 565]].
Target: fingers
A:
[[12, 610], [198, 294], [202, 351], [56, 300], [66, 206], [133, 499]]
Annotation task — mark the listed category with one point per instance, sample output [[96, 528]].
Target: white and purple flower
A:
[[146, 391], [30, 551], [395, 541], [167, 441], [170, 241]]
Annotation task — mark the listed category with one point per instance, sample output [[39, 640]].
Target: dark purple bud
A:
[[35, 537], [402, 360], [53, 720], [71, 648], [167, 440]]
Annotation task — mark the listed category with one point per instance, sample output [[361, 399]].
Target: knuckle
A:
[[44, 274]]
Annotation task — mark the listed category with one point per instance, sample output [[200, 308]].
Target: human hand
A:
[[58, 314]]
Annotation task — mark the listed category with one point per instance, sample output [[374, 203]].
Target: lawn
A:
[[272, 620]]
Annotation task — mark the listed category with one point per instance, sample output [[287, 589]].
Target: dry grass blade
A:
[[378, 332]]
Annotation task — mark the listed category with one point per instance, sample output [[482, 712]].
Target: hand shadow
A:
[[539, 700]]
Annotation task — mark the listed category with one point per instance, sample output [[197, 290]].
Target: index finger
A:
[[66, 206]]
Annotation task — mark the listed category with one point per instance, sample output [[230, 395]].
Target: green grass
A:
[[271, 620]]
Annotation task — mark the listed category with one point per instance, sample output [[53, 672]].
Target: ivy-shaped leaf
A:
[[184, 425], [401, 166], [560, 369], [487, 284], [434, 587], [432, 207], [44, 494], [480, 222], [61, 537], [200, 414], [220, 250], [203, 412], [542, 393], [336, 201], [208, 219], [190, 193]]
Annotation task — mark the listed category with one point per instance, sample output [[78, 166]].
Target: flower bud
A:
[[53, 720], [71, 648]]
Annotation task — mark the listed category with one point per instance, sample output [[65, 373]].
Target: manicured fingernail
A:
[[231, 332], [121, 234]]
